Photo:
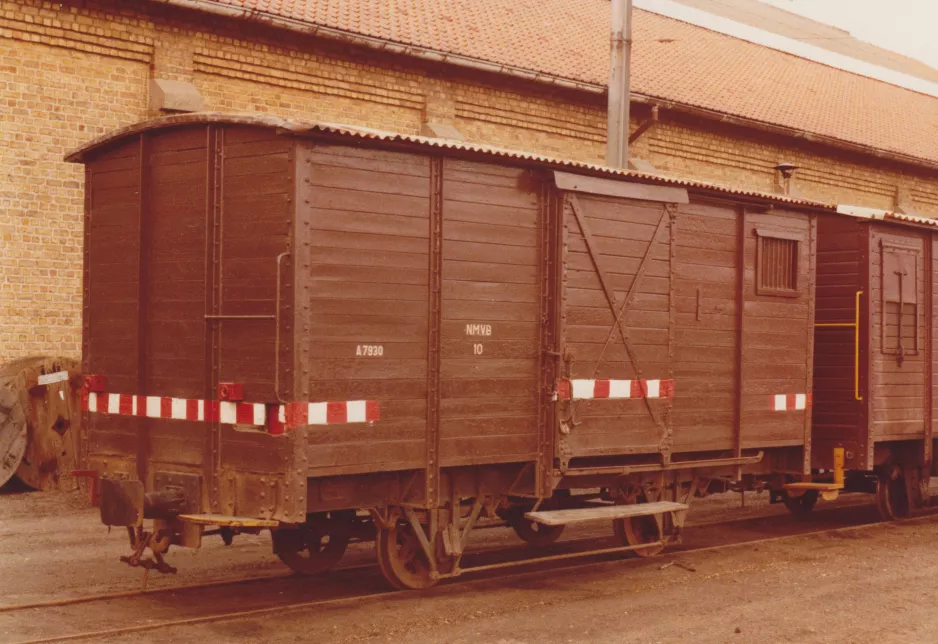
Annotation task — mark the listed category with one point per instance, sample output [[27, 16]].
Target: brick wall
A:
[[72, 70]]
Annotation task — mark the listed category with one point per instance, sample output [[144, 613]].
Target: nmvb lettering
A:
[[478, 329]]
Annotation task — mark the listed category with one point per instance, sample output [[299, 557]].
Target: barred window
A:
[[900, 310], [777, 264]]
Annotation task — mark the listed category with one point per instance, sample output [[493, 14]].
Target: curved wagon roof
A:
[[299, 127]]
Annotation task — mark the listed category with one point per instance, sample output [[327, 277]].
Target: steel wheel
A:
[[892, 499], [533, 533], [401, 558], [636, 531], [800, 505], [317, 545]]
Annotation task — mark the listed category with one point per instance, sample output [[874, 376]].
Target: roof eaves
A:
[[386, 45], [439, 56]]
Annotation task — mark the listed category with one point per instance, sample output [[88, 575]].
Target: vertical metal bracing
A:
[[213, 252], [435, 321], [617, 144], [866, 337], [299, 330], [809, 367], [667, 442], [549, 353], [738, 347], [86, 366], [143, 424], [929, 349]]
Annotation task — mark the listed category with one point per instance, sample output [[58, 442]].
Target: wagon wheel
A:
[[533, 533], [402, 559], [636, 531], [892, 499], [317, 545], [802, 505]]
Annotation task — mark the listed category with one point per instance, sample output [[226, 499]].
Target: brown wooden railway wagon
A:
[[339, 333], [874, 363]]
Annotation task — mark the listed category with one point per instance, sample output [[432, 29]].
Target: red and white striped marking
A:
[[589, 389], [281, 417], [790, 402]]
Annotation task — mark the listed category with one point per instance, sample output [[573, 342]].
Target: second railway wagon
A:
[[338, 333], [875, 332]]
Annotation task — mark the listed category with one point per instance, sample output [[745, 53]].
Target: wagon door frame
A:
[[573, 391]]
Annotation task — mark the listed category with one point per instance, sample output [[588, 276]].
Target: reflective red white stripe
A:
[[589, 389], [790, 402], [282, 417]]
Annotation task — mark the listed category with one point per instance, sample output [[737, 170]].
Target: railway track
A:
[[122, 614]]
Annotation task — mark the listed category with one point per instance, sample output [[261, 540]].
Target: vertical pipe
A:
[[617, 142]]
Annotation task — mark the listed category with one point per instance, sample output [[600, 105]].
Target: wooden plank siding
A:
[[176, 182], [368, 211], [111, 306], [777, 335], [898, 386], [706, 285], [836, 413], [490, 353], [621, 233]]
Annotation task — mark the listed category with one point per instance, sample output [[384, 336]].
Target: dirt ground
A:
[[869, 584]]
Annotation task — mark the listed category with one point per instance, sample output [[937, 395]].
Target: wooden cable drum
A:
[[40, 420]]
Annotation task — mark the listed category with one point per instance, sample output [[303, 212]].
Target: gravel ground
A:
[[867, 584]]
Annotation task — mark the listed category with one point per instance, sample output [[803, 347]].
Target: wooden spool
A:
[[40, 421]]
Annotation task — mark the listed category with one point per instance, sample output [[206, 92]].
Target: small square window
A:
[[776, 264]]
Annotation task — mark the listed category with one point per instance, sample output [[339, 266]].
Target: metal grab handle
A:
[[277, 329], [856, 343]]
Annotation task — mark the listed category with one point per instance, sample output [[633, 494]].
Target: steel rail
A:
[[235, 615]]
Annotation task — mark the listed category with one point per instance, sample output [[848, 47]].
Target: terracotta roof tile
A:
[[672, 60]]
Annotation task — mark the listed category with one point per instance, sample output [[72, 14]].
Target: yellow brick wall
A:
[[72, 70], [57, 90]]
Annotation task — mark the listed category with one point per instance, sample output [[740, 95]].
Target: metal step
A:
[[606, 513], [820, 487], [223, 520]]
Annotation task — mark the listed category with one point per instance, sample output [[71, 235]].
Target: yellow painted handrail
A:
[[856, 343]]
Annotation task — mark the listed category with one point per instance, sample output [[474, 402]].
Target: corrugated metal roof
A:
[[884, 215], [302, 127]]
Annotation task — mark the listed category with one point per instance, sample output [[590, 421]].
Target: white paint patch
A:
[[178, 410], [228, 413], [317, 414], [154, 406], [582, 388], [620, 388], [355, 410], [654, 388], [780, 402], [801, 401], [49, 378]]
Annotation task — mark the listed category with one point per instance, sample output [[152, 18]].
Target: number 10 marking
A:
[[477, 349]]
